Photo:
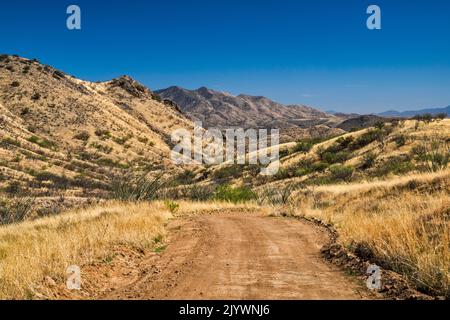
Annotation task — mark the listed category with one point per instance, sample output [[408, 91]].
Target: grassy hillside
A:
[[402, 224], [61, 136]]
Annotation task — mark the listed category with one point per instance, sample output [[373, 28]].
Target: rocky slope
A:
[[223, 110]]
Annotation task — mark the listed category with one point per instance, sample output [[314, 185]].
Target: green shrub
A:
[[122, 140], [396, 165], [365, 139], [434, 155], [103, 134], [283, 174], [302, 147], [228, 172], [427, 117], [186, 177], [400, 140], [10, 141], [101, 148], [368, 161], [332, 158], [340, 172], [309, 167], [172, 206], [234, 194], [82, 136], [42, 142]]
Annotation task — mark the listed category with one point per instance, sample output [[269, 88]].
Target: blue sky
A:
[[314, 52]]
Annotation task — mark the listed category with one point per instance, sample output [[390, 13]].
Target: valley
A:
[[87, 179]]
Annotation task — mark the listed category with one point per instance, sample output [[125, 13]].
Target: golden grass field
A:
[[33, 250], [404, 222]]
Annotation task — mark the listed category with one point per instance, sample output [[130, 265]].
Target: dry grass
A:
[[405, 223], [33, 250]]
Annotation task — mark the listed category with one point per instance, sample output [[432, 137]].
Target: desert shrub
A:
[[379, 125], [103, 134], [234, 194], [122, 140], [306, 145], [427, 117], [13, 188], [365, 139], [228, 172], [185, 177], [344, 143], [441, 116], [283, 173], [400, 140], [58, 74], [101, 148], [15, 84], [82, 136], [302, 146], [277, 195], [396, 165], [200, 192], [36, 96], [16, 210], [7, 141], [332, 158], [157, 97], [129, 187], [42, 142], [307, 167], [60, 182], [340, 172], [368, 161], [172, 206], [143, 140], [24, 111], [433, 155], [284, 153]]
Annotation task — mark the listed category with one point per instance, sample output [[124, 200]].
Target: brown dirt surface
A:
[[236, 256]]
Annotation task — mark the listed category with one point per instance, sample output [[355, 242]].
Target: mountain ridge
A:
[[221, 109], [412, 113]]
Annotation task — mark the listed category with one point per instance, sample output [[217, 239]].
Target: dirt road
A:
[[241, 257]]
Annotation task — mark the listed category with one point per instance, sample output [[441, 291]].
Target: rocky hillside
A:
[[58, 132], [223, 110]]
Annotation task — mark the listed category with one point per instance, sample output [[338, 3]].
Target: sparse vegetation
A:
[[234, 194], [82, 136], [341, 173], [42, 142], [129, 187], [15, 210], [433, 155]]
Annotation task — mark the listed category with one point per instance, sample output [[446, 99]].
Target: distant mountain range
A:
[[409, 114], [219, 109]]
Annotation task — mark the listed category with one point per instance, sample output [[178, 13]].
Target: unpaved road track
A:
[[241, 257]]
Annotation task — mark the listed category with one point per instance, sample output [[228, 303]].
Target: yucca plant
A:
[[16, 210], [129, 187]]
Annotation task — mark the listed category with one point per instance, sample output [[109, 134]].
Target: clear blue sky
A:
[[314, 52]]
